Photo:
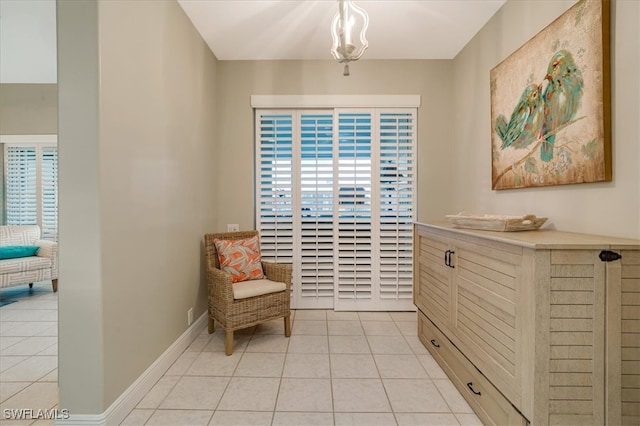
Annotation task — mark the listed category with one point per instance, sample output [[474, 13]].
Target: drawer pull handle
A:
[[433, 342], [470, 386], [447, 258]]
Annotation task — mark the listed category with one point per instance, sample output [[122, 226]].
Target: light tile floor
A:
[[29, 351], [337, 368]]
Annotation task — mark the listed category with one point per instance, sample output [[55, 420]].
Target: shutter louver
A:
[[316, 210], [275, 190], [354, 234], [397, 183], [21, 185]]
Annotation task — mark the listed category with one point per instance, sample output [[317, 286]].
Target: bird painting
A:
[[550, 104], [526, 120], [540, 112], [561, 96]]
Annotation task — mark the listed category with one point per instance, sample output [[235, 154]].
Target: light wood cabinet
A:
[[538, 319]]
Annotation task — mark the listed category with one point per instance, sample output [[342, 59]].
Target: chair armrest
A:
[[279, 272], [220, 285], [47, 249]]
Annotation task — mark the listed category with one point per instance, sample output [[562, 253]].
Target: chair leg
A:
[[54, 284], [212, 326], [228, 343], [287, 325]]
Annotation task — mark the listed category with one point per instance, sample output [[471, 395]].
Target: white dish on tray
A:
[[502, 223]]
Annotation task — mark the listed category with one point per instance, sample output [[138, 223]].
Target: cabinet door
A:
[[623, 339], [487, 275], [576, 338], [630, 368], [432, 278]]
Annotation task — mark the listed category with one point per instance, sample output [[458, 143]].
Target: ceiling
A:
[[262, 29], [300, 29]]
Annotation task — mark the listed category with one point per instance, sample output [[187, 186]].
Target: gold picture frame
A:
[[551, 104]]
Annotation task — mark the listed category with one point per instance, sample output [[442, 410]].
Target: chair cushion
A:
[[240, 258], [13, 252], [245, 289]]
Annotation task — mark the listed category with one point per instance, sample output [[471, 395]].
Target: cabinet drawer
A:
[[488, 403]]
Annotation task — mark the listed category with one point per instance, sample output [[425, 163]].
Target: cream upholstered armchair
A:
[[241, 300]]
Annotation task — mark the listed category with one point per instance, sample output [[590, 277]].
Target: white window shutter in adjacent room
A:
[[21, 165], [49, 187], [31, 185]]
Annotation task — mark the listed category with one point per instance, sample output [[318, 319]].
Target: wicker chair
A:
[[233, 314]]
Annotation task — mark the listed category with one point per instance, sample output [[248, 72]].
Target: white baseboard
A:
[[126, 402]]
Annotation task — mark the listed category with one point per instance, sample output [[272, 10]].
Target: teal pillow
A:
[[12, 252]]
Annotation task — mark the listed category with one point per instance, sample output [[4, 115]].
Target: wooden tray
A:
[[502, 223]]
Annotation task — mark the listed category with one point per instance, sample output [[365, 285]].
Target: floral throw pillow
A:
[[240, 258]]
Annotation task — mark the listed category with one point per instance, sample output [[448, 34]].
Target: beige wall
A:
[[241, 79], [28, 109], [601, 208], [137, 193]]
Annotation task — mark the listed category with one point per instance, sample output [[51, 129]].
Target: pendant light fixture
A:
[[348, 31]]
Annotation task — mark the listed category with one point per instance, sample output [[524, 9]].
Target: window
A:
[[336, 198], [31, 184]]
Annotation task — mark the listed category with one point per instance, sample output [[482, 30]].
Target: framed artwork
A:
[[551, 104]]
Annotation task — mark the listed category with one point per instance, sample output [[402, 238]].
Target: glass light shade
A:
[[348, 30]]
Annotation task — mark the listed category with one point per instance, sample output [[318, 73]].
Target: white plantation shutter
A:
[[354, 236], [274, 189], [31, 186], [21, 197], [315, 261], [335, 193], [397, 196], [49, 193]]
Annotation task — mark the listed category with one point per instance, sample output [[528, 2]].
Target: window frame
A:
[[268, 105]]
